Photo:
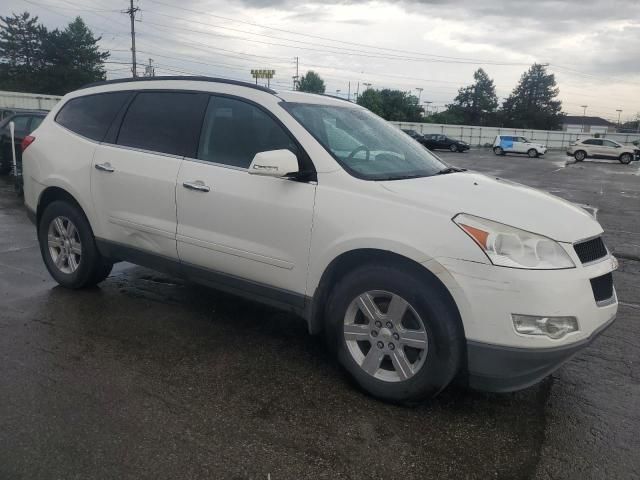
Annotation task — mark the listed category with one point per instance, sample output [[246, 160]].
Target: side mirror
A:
[[274, 163]]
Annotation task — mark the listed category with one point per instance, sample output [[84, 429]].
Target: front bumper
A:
[[501, 359], [495, 368]]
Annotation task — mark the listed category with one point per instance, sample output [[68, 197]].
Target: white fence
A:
[[35, 101], [484, 136]]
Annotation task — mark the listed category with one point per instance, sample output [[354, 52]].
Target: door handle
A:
[[105, 167], [196, 185]]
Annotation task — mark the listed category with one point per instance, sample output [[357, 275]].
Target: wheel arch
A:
[[52, 194], [352, 259]]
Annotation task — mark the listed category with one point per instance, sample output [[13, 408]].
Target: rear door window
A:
[[21, 123], [91, 115], [35, 123], [166, 122]]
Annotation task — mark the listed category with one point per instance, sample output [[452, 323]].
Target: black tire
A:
[[92, 267], [498, 151], [429, 299], [580, 155], [454, 148], [532, 152], [626, 158]]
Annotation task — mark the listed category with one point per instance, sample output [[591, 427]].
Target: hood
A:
[[501, 201]]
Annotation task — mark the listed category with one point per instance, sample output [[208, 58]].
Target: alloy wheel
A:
[[385, 336], [64, 244]]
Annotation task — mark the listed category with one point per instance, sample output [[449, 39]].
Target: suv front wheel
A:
[[626, 158], [395, 332], [68, 247]]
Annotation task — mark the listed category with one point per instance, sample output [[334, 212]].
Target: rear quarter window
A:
[[91, 115]]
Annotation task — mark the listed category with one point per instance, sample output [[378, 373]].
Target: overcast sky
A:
[[591, 45]]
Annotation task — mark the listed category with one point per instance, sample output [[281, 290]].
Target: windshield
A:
[[364, 144]]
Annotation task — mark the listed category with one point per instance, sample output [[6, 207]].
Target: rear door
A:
[[244, 226], [594, 147], [134, 175]]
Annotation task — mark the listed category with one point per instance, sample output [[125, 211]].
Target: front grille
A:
[[602, 287], [591, 250]]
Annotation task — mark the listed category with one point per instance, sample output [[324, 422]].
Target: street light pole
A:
[[619, 112], [426, 109], [419, 89], [584, 114]]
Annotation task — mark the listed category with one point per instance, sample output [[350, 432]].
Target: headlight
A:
[[511, 247]]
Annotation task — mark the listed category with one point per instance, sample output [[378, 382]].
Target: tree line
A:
[[34, 59], [532, 104]]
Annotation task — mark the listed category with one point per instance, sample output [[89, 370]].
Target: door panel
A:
[[135, 203], [252, 227]]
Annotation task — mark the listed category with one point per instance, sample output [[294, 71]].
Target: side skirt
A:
[[254, 291]]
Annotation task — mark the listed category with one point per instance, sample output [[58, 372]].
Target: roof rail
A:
[[183, 77], [336, 97]]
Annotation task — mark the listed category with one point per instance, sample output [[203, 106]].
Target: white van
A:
[[416, 271]]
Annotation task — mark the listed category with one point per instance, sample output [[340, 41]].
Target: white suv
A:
[[602, 148], [416, 271], [504, 144]]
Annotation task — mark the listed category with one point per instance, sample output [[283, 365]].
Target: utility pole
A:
[[419, 89], [132, 15], [357, 93], [296, 76], [349, 92], [584, 114]]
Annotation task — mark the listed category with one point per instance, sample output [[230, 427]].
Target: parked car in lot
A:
[[504, 144], [434, 141], [603, 148], [25, 122], [413, 134], [416, 271]]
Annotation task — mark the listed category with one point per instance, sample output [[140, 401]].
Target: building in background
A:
[[591, 125]]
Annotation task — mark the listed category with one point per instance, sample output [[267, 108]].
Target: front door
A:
[[242, 226], [610, 149]]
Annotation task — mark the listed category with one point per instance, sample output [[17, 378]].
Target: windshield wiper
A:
[[404, 177], [444, 171]]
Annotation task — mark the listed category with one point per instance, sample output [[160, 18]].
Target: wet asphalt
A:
[[149, 377]]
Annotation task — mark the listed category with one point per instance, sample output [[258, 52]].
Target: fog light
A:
[[552, 327]]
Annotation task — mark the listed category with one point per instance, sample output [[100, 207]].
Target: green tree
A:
[[392, 104], [533, 103], [311, 83], [72, 58], [477, 102], [21, 39], [35, 60]]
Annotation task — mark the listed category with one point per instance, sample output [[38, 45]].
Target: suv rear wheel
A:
[[580, 155], [498, 151], [68, 247], [626, 158], [395, 333]]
